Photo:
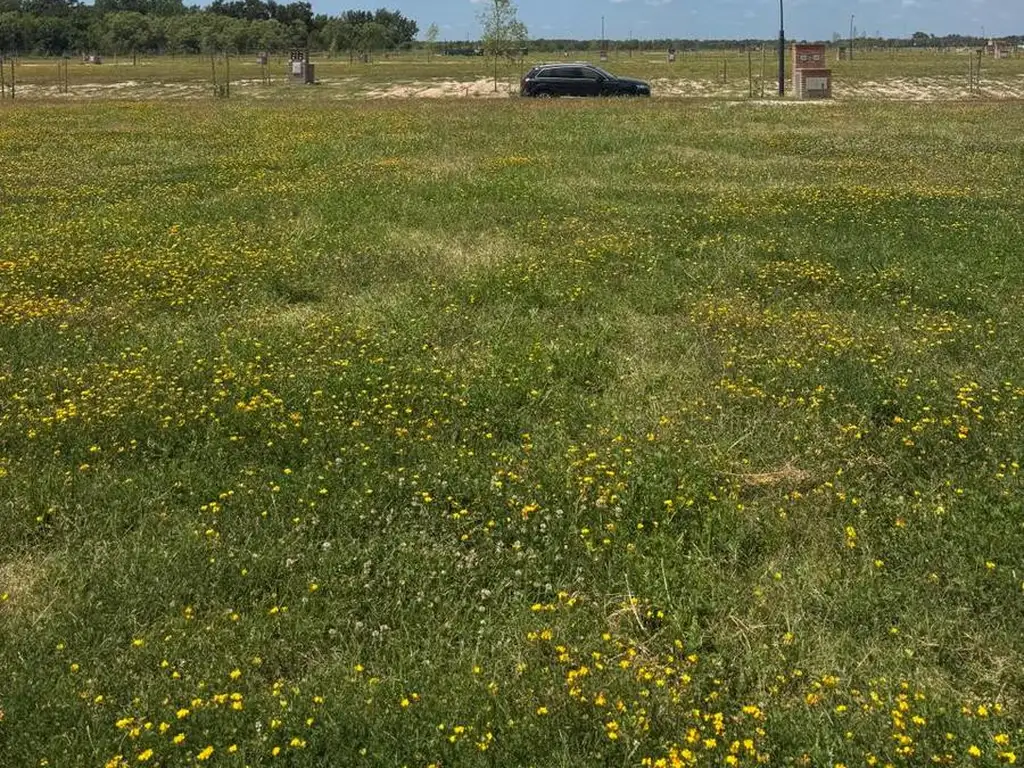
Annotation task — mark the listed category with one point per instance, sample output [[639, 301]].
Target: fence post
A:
[[750, 73], [762, 70]]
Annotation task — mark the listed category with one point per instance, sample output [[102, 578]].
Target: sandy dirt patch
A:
[[948, 88], [679, 88], [930, 89], [441, 89], [128, 89], [891, 89]]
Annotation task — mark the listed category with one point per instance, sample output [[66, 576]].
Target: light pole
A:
[[851, 37], [782, 52]]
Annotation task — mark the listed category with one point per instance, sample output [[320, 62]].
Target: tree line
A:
[[553, 45], [128, 27], [125, 27]]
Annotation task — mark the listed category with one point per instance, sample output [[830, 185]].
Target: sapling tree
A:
[[431, 38], [503, 32]]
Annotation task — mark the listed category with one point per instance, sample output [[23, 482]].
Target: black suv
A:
[[578, 79]]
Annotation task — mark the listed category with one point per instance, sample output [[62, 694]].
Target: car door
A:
[[547, 82], [565, 80], [591, 82]]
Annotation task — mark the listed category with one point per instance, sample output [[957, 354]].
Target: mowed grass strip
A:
[[510, 434]]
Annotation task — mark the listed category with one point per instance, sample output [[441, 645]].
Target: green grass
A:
[[510, 434]]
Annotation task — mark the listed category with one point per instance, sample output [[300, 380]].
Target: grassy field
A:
[[501, 433], [873, 74]]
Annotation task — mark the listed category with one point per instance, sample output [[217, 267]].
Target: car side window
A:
[[570, 73]]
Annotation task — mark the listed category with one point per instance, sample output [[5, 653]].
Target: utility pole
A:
[[851, 37], [782, 52], [498, 39]]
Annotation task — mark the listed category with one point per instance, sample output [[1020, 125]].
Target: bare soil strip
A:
[[891, 89]]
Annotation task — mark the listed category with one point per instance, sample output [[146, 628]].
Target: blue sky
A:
[[806, 19]]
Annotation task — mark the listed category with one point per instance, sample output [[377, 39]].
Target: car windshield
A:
[[601, 72]]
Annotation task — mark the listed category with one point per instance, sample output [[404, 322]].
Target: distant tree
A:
[[289, 14], [49, 7], [355, 18], [270, 35], [398, 30], [149, 7], [502, 31], [240, 36], [104, 7], [371, 37], [335, 35], [184, 34], [214, 34], [55, 35], [251, 10], [431, 37], [17, 32], [157, 40], [296, 33], [167, 7], [126, 32], [255, 10]]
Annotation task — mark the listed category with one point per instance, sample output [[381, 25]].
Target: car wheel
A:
[[543, 95]]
